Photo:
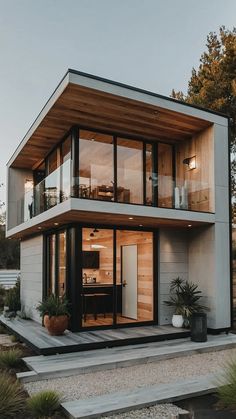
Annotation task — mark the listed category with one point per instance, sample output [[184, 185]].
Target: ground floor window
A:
[[107, 274]]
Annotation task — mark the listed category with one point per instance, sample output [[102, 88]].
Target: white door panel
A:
[[130, 281]]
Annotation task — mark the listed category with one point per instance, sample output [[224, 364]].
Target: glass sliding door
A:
[[122, 295], [95, 176], [129, 171], [97, 277], [134, 275]]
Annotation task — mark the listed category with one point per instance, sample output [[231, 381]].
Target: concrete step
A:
[[141, 397], [63, 365]]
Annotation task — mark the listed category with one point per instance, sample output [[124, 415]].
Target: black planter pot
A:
[[199, 327]]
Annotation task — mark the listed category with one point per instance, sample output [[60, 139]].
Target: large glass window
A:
[[61, 263], [96, 171], [52, 181], [52, 265], [66, 169], [57, 257], [129, 171]]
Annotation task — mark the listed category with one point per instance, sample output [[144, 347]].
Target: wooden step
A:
[[138, 398], [63, 365]]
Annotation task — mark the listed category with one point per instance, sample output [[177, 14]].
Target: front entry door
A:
[[129, 269]]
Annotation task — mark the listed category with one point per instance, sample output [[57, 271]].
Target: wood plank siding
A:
[[108, 112]]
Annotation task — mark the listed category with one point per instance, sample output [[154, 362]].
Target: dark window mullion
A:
[[144, 175], [114, 280], [57, 250], [75, 161], [115, 167], [155, 174]]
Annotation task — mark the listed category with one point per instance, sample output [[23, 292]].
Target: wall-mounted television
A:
[[90, 259]]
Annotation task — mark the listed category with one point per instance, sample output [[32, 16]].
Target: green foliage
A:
[[53, 306], [227, 386], [14, 338], [12, 397], [3, 330], [2, 296], [10, 359], [213, 86], [9, 251], [13, 297], [43, 404], [184, 298]]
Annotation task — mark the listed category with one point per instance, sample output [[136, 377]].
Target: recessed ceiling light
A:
[[39, 228], [131, 218], [140, 225], [56, 224], [189, 225]]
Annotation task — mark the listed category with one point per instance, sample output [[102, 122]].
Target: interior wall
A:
[[173, 248], [104, 238], [200, 181], [31, 275]]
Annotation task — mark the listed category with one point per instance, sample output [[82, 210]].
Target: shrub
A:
[[3, 330], [227, 386], [13, 297], [14, 338], [10, 359], [2, 296], [12, 397], [43, 404]]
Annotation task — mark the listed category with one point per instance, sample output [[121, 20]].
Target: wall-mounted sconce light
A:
[[190, 162]]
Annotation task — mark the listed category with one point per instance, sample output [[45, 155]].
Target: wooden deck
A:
[[38, 338]]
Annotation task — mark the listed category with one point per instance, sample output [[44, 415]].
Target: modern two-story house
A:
[[113, 192]]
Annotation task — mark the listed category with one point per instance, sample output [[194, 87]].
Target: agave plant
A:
[[43, 404], [184, 298]]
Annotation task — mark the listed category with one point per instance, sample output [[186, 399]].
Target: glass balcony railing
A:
[[161, 192], [52, 190]]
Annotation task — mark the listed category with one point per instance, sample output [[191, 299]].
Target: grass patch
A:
[[227, 386], [43, 404], [12, 397], [10, 359]]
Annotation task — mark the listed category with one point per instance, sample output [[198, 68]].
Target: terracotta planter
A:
[[56, 325]]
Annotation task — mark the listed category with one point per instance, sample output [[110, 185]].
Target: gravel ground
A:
[[103, 382], [160, 411]]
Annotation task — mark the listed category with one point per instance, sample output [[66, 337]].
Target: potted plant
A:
[[184, 298], [55, 314]]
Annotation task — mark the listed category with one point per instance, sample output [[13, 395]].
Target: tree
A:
[[213, 85], [9, 249]]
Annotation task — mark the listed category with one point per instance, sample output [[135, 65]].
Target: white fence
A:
[[8, 277]]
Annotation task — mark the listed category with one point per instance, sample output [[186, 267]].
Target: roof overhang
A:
[[89, 101]]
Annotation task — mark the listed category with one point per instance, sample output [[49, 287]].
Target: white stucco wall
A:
[[32, 275], [173, 262]]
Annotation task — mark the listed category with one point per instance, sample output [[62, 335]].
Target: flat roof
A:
[[95, 102]]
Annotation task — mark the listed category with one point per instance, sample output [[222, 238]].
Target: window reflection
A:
[[96, 172], [129, 171]]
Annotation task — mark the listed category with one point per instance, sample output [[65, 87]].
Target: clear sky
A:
[[152, 44]]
